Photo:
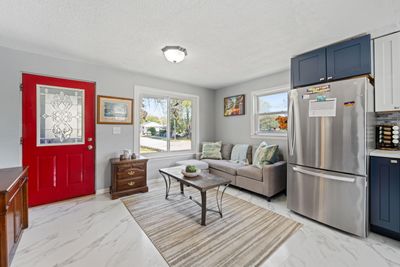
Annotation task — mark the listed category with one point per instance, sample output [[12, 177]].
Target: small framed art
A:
[[234, 105], [114, 110]]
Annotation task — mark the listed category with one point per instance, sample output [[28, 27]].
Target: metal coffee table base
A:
[[218, 196]]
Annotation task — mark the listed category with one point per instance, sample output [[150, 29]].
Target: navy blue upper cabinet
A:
[[349, 58], [309, 68], [385, 196], [345, 59]]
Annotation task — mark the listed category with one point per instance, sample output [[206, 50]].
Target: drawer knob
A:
[[131, 183], [131, 173]]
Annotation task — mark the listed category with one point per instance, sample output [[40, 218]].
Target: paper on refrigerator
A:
[[325, 108]]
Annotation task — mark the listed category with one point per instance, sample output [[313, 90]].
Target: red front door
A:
[[58, 137]]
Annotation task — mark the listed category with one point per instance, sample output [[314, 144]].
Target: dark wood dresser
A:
[[14, 210], [128, 177]]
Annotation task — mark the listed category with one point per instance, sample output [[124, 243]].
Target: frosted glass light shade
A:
[[174, 54]]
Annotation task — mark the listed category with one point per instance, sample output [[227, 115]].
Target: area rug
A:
[[246, 235]]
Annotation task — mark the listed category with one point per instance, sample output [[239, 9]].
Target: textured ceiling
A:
[[227, 41]]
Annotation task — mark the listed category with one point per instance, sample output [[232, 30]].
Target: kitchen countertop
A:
[[385, 153]]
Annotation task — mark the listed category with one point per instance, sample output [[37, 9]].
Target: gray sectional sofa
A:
[[268, 181]]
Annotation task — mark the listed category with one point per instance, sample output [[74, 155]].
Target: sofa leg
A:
[[285, 192], [268, 199]]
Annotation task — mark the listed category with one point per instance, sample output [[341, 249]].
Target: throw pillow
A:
[[239, 153], [211, 150], [266, 154]]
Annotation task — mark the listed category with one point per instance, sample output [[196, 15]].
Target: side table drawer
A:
[[130, 173], [127, 184], [127, 166]]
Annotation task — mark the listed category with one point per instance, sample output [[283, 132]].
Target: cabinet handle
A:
[[330, 78], [393, 161], [396, 107], [321, 79], [131, 183], [131, 173]]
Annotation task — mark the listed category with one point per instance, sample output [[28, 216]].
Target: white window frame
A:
[[139, 93], [254, 122]]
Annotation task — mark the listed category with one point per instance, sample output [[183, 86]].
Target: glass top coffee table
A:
[[203, 182]]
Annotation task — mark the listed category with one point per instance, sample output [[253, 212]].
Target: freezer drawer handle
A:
[[327, 176]]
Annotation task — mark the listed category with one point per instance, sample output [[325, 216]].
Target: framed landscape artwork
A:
[[234, 105], [114, 110]]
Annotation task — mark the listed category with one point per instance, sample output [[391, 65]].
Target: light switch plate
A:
[[116, 130]]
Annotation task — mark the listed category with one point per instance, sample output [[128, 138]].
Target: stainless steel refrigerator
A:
[[330, 130]]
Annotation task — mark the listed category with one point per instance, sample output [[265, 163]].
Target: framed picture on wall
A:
[[234, 105], [114, 110]]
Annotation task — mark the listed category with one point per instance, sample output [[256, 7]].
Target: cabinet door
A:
[[349, 58], [385, 193], [309, 68], [10, 221], [19, 206], [387, 73]]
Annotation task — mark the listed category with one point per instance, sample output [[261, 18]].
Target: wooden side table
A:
[[13, 210], [128, 177]]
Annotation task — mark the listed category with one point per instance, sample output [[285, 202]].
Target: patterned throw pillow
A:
[[266, 154], [211, 150]]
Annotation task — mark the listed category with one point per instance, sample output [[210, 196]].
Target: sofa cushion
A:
[[211, 150], [250, 154], [224, 165], [251, 172], [226, 151]]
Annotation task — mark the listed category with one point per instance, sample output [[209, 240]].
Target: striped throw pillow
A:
[[211, 150]]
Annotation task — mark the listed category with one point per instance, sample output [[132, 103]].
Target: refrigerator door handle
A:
[[292, 135], [326, 176]]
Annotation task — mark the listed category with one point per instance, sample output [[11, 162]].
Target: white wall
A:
[[109, 81], [237, 129]]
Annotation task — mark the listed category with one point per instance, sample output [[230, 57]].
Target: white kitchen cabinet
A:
[[387, 73]]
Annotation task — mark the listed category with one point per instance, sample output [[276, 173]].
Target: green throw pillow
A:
[[266, 154], [211, 151]]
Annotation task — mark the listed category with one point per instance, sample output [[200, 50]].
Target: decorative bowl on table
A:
[[191, 171]]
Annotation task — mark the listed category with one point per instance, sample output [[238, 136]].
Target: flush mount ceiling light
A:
[[174, 54]]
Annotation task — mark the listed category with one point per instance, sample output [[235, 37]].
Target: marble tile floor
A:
[[98, 231]]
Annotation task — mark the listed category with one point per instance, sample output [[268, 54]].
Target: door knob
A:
[[90, 139], [89, 147]]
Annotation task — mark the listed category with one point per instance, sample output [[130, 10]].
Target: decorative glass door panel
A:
[[60, 113]]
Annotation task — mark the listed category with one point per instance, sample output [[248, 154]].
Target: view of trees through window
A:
[[271, 114], [166, 124]]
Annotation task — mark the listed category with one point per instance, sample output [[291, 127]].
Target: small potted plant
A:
[[191, 171]]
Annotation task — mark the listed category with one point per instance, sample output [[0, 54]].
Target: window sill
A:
[[163, 155], [270, 136]]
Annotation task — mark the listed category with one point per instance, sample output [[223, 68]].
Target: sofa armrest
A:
[[274, 178]]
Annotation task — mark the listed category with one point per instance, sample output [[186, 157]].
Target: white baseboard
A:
[[103, 191]]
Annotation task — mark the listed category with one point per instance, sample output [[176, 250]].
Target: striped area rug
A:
[[246, 236]]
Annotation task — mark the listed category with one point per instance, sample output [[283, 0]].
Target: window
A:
[[270, 113], [166, 124]]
